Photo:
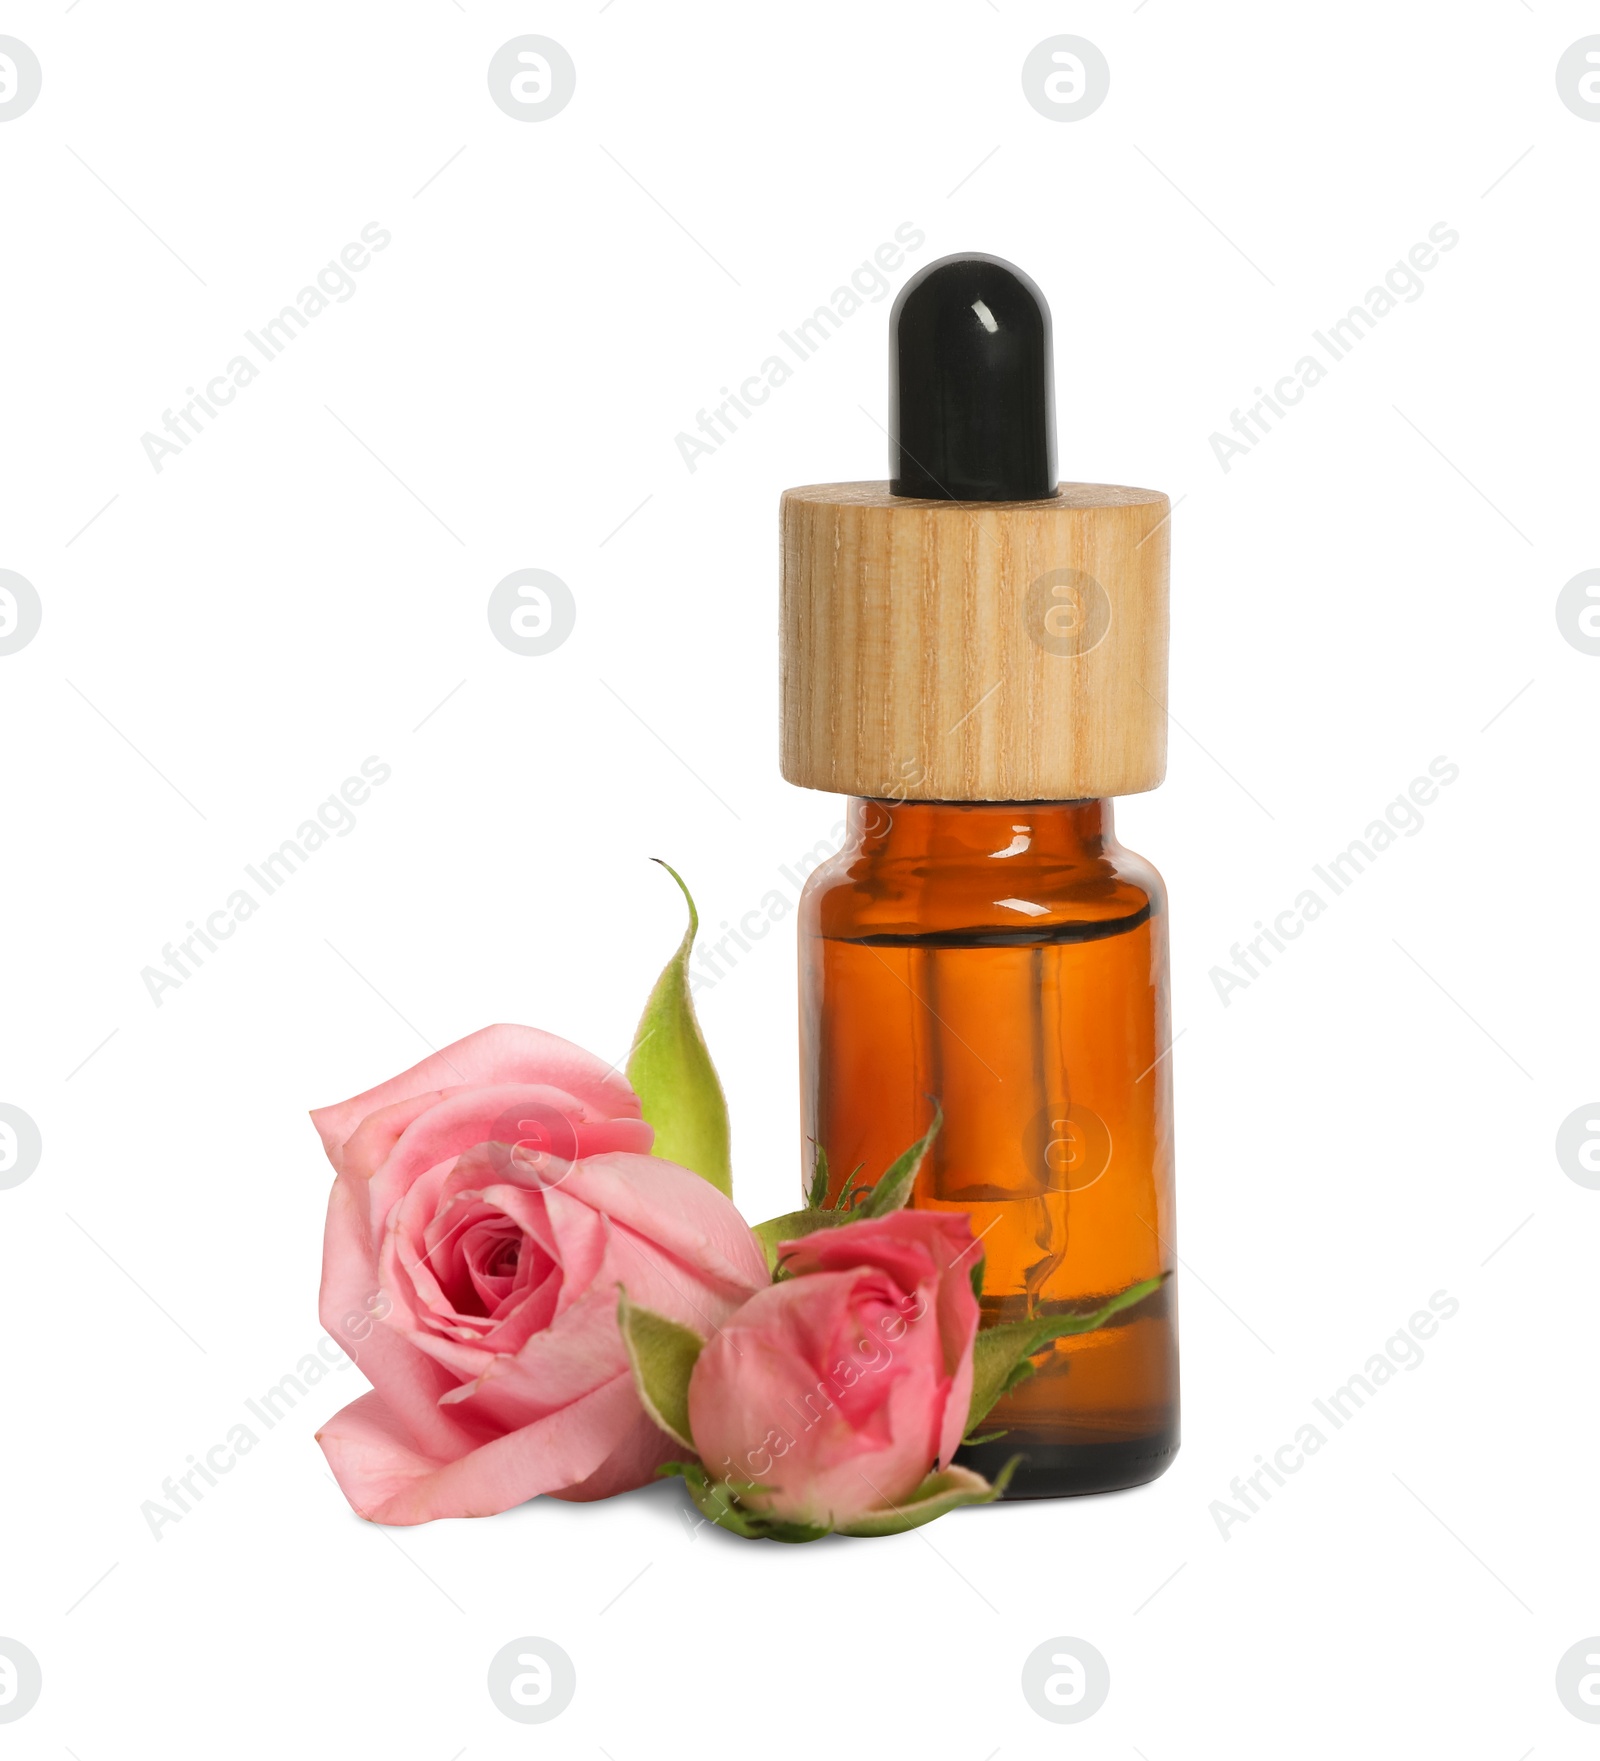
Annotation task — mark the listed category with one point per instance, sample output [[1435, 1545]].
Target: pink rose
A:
[[488, 1204], [842, 1387]]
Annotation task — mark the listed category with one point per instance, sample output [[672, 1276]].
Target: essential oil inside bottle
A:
[[1010, 958]]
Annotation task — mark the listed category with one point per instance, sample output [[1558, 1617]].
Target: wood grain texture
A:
[[951, 651]]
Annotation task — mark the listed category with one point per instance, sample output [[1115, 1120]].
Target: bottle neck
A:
[[894, 830]]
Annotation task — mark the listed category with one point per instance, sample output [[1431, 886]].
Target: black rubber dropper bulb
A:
[[971, 387]]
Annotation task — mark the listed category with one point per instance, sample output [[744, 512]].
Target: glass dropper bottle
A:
[[976, 655]]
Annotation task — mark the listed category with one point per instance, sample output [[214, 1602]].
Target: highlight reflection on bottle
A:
[[982, 937]]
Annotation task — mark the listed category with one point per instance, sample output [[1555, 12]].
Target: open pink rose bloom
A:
[[838, 1389], [489, 1202]]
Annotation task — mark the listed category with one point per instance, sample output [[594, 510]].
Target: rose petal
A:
[[389, 1480], [905, 1244], [493, 1055], [941, 1242], [370, 1143], [633, 1462], [679, 1212], [582, 1345], [580, 1351], [411, 1383], [459, 1122], [821, 1461]]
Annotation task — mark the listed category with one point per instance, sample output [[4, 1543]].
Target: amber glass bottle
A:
[[976, 654], [1011, 959]]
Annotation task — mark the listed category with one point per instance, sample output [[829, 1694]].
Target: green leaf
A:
[[894, 1188], [790, 1226], [935, 1497], [1000, 1355], [672, 1073], [662, 1354], [817, 1196]]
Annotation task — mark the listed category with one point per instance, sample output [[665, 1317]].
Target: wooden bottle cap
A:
[[975, 651]]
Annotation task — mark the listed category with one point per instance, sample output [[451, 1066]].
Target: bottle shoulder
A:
[[1026, 897]]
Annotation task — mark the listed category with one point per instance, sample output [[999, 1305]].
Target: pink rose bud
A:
[[840, 1388], [488, 1204]]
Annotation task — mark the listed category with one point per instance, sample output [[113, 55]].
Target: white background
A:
[[1371, 1121]]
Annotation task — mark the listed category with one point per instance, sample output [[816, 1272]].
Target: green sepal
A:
[[1000, 1355], [790, 1226], [718, 1500], [890, 1194], [845, 1201], [935, 1497], [940, 1493], [818, 1194], [672, 1073], [892, 1191], [662, 1354]]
